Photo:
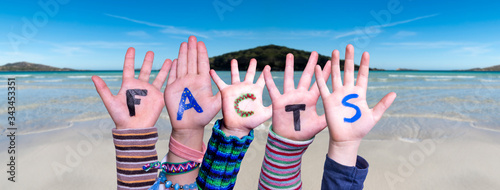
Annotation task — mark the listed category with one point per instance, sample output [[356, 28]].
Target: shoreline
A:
[[82, 157]]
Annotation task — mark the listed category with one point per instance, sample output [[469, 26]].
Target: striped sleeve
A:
[[282, 162], [222, 160], [135, 148]]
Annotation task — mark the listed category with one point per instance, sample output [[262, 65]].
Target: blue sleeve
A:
[[338, 176]]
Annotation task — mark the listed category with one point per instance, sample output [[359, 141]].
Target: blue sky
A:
[[397, 33]]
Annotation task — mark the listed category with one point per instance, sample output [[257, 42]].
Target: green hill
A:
[[272, 55], [492, 68], [26, 66]]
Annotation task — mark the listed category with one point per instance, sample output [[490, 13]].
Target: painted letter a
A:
[[186, 95]]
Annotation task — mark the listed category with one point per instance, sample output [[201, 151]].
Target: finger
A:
[[146, 66], [364, 69], [260, 81], [217, 101], [305, 80], [381, 106], [271, 87], [162, 74], [128, 66], [322, 121], [219, 82], [203, 61], [327, 69], [102, 89], [173, 72], [288, 84], [326, 73], [235, 73], [268, 112], [251, 71], [192, 67], [320, 81], [336, 75], [349, 66], [182, 60]]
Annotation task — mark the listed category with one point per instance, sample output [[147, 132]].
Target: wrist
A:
[[192, 138], [233, 131], [344, 153], [131, 125]]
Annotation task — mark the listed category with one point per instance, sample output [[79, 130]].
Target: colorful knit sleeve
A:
[[338, 176], [222, 160], [135, 148], [282, 162]]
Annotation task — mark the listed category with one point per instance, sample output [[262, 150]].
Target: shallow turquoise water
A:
[[52, 100]]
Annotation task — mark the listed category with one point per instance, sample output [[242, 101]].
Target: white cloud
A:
[[139, 33], [67, 50], [311, 33], [375, 29], [370, 30], [403, 34], [407, 21], [425, 45], [272, 34], [472, 50], [231, 33], [247, 34], [457, 48], [138, 21], [165, 28], [15, 56], [61, 48], [175, 30], [115, 45]]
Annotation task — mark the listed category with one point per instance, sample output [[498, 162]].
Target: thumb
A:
[[381, 106], [102, 89]]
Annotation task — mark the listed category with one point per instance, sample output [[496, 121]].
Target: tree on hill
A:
[[26, 66], [272, 55], [492, 68]]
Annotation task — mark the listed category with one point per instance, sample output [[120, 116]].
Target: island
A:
[[492, 68], [272, 55], [405, 69], [26, 66]]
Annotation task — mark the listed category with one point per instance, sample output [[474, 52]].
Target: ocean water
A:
[[426, 101]]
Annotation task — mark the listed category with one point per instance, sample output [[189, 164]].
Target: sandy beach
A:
[[82, 157]]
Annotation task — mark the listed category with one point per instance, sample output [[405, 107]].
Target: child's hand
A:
[[138, 104], [296, 103], [348, 116], [189, 99], [242, 106]]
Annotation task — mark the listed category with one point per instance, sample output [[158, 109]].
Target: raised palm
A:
[[191, 71], [145, 112], [284, 123], [346, 123], [249, 111]]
